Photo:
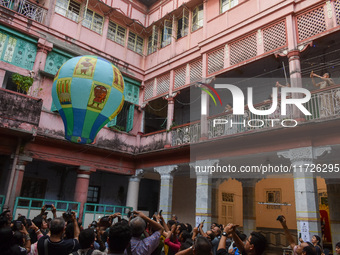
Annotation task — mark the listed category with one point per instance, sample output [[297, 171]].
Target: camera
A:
[[18, 225], [28, 223], [279, 218], [68, 215], [48, 206]]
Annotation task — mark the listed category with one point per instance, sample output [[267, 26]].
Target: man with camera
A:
[[297, 249], [55, 244], [138, 225], [254, 245]]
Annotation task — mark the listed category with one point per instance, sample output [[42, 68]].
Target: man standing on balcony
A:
[[326, 98]]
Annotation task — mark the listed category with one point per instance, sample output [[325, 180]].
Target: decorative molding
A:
[[166, 172], [304, 153]]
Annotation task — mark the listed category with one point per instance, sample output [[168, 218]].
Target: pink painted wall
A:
[[67, 26]]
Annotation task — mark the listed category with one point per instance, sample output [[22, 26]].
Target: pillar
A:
[[203, 193], [14, 188], [249, 205], [170, 119], [165, 200], [333, 193], [133, 189], [82, 186], [44, 47], [306, 193]]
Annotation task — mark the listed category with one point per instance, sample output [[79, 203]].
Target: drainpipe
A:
[[11, 180]]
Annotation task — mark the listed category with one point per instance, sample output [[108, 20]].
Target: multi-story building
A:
[[146, 157]]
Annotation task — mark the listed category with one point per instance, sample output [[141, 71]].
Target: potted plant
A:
[[23, 82]]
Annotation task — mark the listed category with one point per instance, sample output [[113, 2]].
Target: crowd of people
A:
[[140, 235]]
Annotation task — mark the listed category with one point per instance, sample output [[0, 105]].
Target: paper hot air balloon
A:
[[88, 93]]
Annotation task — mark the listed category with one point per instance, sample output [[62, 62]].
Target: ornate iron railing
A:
[[323, 104], [7, 3], [32, 11], [184, 134]]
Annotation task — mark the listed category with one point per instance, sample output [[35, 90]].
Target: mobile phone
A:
[[160, 212], [48, 206], [299, 235], [279, 218]]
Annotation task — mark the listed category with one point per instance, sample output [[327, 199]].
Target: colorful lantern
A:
[[88, 93]]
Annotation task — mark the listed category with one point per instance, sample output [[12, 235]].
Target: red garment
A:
[[174, 246]]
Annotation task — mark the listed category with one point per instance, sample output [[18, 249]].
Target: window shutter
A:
[[129, 123], [112, 123]]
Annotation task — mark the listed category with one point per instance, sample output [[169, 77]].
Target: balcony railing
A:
[[27, 8], [32, 11], [190, 133], [323, 104], [7, 3]]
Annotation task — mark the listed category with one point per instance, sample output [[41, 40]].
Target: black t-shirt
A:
[[63, 247]]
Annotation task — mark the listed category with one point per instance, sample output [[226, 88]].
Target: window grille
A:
[[273, 196], [337, 11], [311, 23], [135, 43], [196, 71], [243, 49], [197, 18], [216, 60], [148, 90], [183, 24], [116, 33], [153, 40], [166, 33], [180, 77], [93, 21], [227, 197], [228, 4], [274, 36], [163, 84], [68, 8]]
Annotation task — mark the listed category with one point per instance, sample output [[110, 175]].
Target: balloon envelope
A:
[[88, 93]]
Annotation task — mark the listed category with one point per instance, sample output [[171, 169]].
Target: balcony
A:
[[324, 105], [18, 111], [26, 8]]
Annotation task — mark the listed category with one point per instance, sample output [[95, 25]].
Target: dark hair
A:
[[318, 239], [86, 238], [182, 227], [309, 250], [171, 222], [119, 237], [243, 237], [202, 246], [259, 242], [38, 221], [187, 244], [57, 226], [189, 227], [69, 231], [337, 244], [185, 235]]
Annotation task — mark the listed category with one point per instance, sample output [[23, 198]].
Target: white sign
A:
[[304, 228]]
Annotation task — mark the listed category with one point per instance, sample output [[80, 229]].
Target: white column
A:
[[203, 193], [165, 198], [333, 193], [306, 201], [249, 205], [133, 189]]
